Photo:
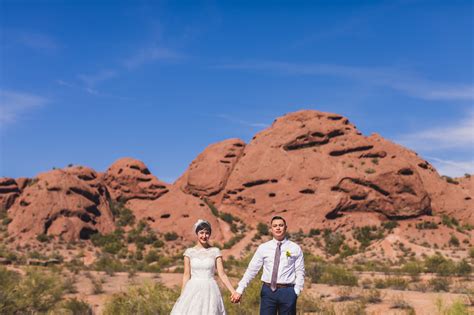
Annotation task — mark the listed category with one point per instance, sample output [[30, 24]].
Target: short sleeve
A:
[[188, 252], [217, 252]]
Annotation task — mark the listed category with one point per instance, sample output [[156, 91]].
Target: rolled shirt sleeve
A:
[[252, 270], [299, 272]]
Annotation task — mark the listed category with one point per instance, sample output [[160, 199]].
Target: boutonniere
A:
[[288, 253]]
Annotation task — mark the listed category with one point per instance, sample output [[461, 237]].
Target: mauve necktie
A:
[[276, 264]]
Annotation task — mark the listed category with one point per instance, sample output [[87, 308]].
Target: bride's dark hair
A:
[[204, 225]]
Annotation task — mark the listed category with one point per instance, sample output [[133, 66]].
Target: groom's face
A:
[[278, 229]]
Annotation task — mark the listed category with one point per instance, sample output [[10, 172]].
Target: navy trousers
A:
[[282, 301]]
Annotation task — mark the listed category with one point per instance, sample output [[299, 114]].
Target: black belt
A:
[[280, 285]]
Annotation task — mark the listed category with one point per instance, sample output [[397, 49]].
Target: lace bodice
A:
[[203, 261]]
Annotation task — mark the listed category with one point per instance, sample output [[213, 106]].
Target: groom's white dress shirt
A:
[[290, 271]]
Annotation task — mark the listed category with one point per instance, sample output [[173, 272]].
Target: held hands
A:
[[235, 297]]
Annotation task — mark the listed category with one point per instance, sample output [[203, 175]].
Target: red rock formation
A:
[[68, 203], [314, 168], [208, 173], [130, 179], [9, 191]]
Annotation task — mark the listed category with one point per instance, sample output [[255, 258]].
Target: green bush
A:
[[123, 216], [440, 265], [36, 292], [73, 306], [439, 284], [43, 238], [390, 225], [147, 299], [234, 240], [171, 236], [262, 229], [314, 232], [110, 243], [426, 225], [449, 221], [413, 268], [108, 264], [366, 234], [333, 241], [396, 283], [454, 241], [336, 275]]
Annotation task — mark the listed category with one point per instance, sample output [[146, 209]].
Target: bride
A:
[[200, 294]]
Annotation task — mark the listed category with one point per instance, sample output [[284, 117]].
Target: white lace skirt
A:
[[200, 297]]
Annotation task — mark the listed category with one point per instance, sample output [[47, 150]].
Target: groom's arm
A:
[[299, 271], [253, 268]]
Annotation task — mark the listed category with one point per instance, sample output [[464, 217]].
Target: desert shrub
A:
[[366, 234], [426, 225], [152, 256], [72, 306], [97, 285], [37, 292], [171, 236], [110, 243], [440, 265], [333, 241], [8, 297], [108, 264], [123, 216], [449, 221], [347, 251], [399, 302], [145, 299], [439, 284], [396, 283], [262, 229], [456, 308], [69, 284], [211, 206], [370, 171], [43, 238], [234, 240], [227, 217], [454, 241], [314, 232], [336, 275], [390, 225], [371, 296], [413, 268], [463, 268]]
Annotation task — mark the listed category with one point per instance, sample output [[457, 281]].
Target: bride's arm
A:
[[222, 275], [186, 273]]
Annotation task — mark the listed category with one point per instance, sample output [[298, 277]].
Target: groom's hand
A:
[[235, 297]]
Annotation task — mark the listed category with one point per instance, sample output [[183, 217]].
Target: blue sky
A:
[[88, 82]]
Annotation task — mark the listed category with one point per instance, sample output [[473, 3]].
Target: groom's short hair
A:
[[277, 217]]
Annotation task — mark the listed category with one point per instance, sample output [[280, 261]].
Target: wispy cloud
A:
[[452, 168], [405, 82], [457, 135], [242, 122], [31, 39], [151, 54], [14, 105], [91, 80]]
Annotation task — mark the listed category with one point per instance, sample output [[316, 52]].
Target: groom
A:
[[283, 272]]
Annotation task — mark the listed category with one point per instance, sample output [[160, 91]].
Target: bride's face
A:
[[203, 236]]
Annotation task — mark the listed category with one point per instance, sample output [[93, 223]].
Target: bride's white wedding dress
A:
[[201, 295]]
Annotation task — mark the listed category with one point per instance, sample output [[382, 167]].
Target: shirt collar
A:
[[282, 241]]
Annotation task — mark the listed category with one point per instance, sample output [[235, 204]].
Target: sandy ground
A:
[[423, 303]]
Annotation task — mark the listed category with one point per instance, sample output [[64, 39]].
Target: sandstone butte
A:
[[314, 168]]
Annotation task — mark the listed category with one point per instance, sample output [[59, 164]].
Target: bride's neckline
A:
[[202, 248]]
